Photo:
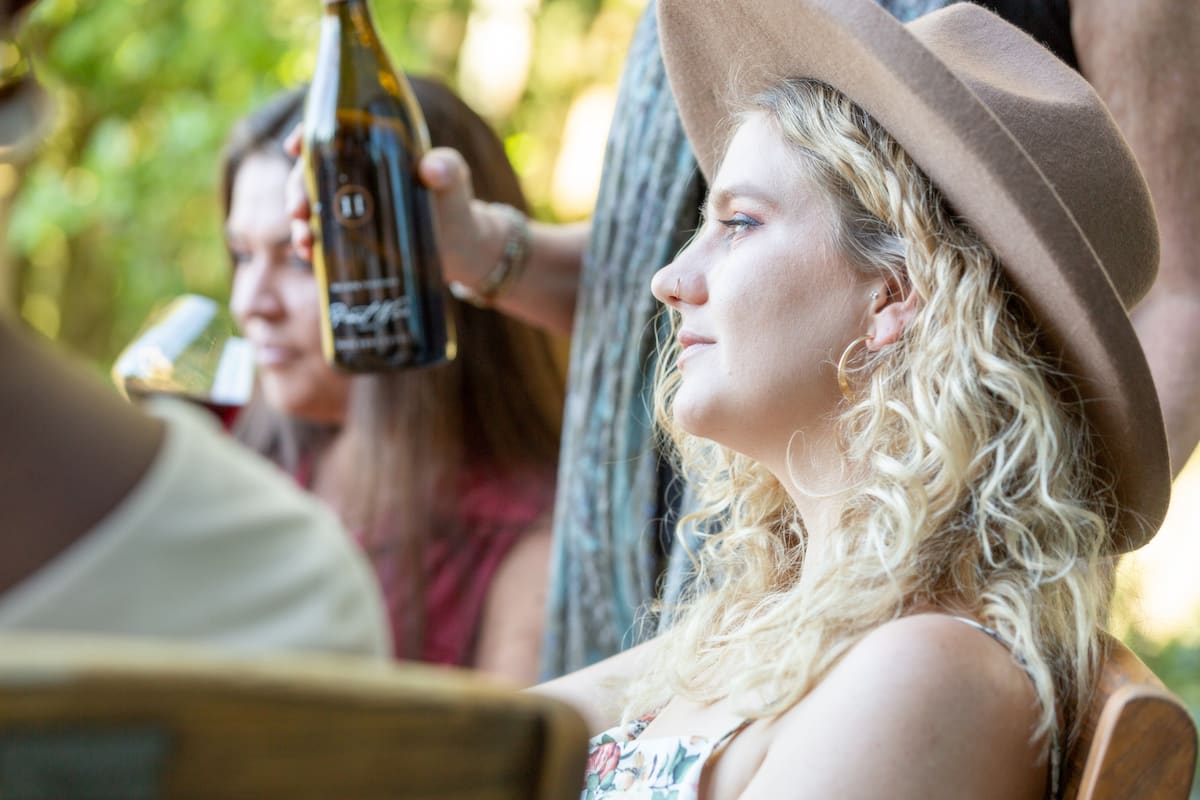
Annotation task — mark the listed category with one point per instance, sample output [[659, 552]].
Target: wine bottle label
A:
[[369, 316], [377, 239], [378, 325], [353, 206], [358, 286]]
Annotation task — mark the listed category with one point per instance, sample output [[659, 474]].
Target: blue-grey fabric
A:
[[614, 546], [612, 515]]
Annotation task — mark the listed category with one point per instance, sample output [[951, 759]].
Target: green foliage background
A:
[[119, 209], [119, 212]]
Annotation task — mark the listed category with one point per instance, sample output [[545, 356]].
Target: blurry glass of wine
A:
[[189, 348]]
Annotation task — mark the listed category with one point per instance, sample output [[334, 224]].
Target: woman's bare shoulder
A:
[[924, 706]]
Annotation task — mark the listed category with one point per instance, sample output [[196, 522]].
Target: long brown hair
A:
[[415, 436]]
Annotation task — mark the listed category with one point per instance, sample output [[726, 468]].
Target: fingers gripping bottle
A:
[[383, 300]]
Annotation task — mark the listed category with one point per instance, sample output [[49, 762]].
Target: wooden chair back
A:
[[1137, 739], [92, 720]]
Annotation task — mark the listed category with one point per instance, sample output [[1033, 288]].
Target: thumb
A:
[[463, 242], [444, 172]]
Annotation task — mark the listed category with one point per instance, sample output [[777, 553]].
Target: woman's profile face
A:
[[275, 298], [767, 303]]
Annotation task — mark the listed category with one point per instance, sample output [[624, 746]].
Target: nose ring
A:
[[675, 292]]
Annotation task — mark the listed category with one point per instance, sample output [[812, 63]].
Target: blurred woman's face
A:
[[275, 298]]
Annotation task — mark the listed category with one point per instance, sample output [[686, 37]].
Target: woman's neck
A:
[[813, 472], [331, 469]]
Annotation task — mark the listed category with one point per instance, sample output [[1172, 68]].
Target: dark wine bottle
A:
[[383, 300]]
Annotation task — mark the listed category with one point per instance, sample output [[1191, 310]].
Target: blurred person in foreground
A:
[[445, 474], [119, 522], [618, 495]]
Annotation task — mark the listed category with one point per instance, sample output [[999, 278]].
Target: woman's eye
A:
[[301, 263], [239, 257], [738, 223]]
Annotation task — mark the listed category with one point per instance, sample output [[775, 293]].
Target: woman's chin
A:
[[300, 405], [694, 419]]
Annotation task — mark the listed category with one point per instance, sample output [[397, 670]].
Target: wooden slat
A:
[[1137, 739], [294, 727]]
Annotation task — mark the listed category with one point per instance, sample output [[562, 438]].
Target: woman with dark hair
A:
[[446, 474]]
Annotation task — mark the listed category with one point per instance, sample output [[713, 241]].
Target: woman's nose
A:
[[675, 284], [664, 286], [254, 291]]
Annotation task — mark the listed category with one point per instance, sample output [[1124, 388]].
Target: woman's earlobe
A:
[[890, 321]]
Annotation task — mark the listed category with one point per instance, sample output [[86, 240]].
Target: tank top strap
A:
[[980, 626], [722, 740], [1055, 744], [716, 747]]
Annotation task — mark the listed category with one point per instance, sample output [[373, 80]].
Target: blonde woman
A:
[[903, 382]]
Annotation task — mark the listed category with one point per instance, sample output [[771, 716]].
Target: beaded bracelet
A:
[[508, 267]]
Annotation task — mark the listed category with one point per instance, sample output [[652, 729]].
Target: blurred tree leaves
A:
[[119, 212]]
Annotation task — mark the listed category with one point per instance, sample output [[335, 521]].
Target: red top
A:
[[494, 514], [458, 573]]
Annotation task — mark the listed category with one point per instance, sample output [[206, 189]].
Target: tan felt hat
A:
[[1018, 143]]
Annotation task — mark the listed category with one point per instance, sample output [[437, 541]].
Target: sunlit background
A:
[[120, 209], [119, 212]]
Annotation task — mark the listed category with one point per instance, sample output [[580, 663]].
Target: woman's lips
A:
[[692, 343]]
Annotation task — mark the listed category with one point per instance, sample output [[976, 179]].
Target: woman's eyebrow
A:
[[722, 196]]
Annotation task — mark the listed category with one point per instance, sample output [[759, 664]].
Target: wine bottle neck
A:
[[346, 7], [351, 16]]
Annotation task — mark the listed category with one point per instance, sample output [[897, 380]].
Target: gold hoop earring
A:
[[843, 382]]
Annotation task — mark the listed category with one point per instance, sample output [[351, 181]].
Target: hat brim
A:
[[718, 53]]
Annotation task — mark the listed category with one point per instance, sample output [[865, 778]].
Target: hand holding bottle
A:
[[470, 233]]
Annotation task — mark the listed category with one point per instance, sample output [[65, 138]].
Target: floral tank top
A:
[[623, 765]]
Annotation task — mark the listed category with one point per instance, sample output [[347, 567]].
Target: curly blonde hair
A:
[[974, 480]]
